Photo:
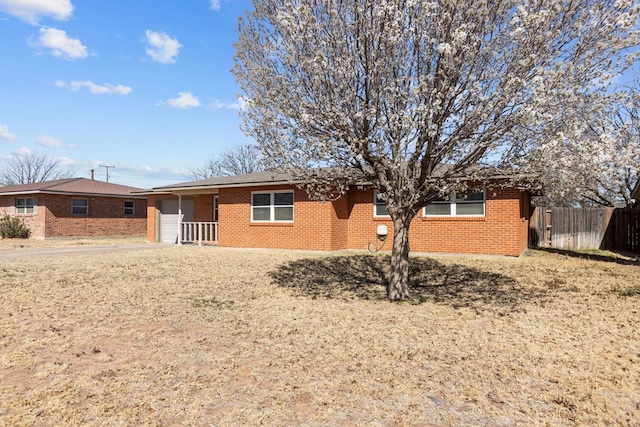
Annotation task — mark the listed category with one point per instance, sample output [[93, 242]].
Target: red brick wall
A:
[[340, 212], [502, 231], [105, 217], [349, 223], [202, 211], [311, 228], [34, 222], [203, 208], [153, 210]]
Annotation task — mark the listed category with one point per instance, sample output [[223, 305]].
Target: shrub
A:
[[13, 228]]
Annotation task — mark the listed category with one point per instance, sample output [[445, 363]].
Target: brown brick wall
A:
[[105, 217]]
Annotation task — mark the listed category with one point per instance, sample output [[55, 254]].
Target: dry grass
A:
[[220, 337], [15, 244]]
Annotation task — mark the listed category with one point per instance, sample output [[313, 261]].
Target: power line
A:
[[107, 168]]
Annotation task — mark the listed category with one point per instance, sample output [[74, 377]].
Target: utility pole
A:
[[107, 168]]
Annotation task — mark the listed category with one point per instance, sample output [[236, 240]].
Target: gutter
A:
[[67, 193]]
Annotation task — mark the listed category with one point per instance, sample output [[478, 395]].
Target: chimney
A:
[[92, 174]]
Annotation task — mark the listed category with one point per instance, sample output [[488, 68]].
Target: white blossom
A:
[[416, 94]]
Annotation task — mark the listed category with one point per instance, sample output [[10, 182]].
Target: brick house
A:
[[76, 207], [263, 210]]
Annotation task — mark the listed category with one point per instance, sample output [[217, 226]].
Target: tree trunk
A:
[[398, 287]]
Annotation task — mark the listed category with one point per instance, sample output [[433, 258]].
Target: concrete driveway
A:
[[71, 250]]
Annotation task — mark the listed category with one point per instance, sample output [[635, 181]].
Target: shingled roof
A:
[[275, 178], [251, 179], [73, 186]]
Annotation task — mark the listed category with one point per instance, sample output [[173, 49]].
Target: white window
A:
[[469, 203], [215, 208], [79, 206], [272, 207], [129, 207], [379, 206], [26, 205]]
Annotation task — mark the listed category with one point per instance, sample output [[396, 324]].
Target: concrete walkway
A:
[[72, 250]]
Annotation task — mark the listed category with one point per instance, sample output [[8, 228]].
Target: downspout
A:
[[179, 219]]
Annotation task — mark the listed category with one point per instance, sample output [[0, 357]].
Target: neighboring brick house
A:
[[76, 207], [263, 210]]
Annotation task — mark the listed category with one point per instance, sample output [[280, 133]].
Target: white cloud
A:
[[60, 44], [94, 88], [216, 104], [215, 4], [51, 142], [6, 135], [184, 100], [22, 152], [162, 48], [32, 11]]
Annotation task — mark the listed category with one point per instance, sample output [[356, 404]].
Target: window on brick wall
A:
[[272, 207], [215, 208], [129, 207], [26, 205], [79, 206], [469, 203], [379, 206]]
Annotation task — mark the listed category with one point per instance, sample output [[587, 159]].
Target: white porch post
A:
[[179, 219]]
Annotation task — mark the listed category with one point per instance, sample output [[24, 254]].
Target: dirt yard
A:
[[205, 336]]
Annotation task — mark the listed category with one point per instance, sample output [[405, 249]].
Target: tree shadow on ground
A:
[[622, 258], [365, 277]]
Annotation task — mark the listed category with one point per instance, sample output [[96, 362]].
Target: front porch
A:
[[197, 232]]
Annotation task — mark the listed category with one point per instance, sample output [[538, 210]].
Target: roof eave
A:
[[16, 193], [636, 192], [72, 193], [171, 190]]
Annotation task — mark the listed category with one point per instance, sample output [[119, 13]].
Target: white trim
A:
[[16, 208], [180, 218], [453, 203], [272, 206]]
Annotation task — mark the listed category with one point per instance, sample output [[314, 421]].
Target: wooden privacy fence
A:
[[585, 228]]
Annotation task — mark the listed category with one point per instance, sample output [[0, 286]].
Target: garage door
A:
[[169, 218]]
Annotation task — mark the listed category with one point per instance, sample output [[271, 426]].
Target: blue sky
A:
[[144, 85]]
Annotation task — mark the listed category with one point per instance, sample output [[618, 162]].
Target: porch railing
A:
[[198, 232]]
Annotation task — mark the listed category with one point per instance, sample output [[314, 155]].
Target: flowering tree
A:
[[414, 94], [596, 162]]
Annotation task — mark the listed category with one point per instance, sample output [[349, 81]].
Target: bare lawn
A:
[[206, 336]]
